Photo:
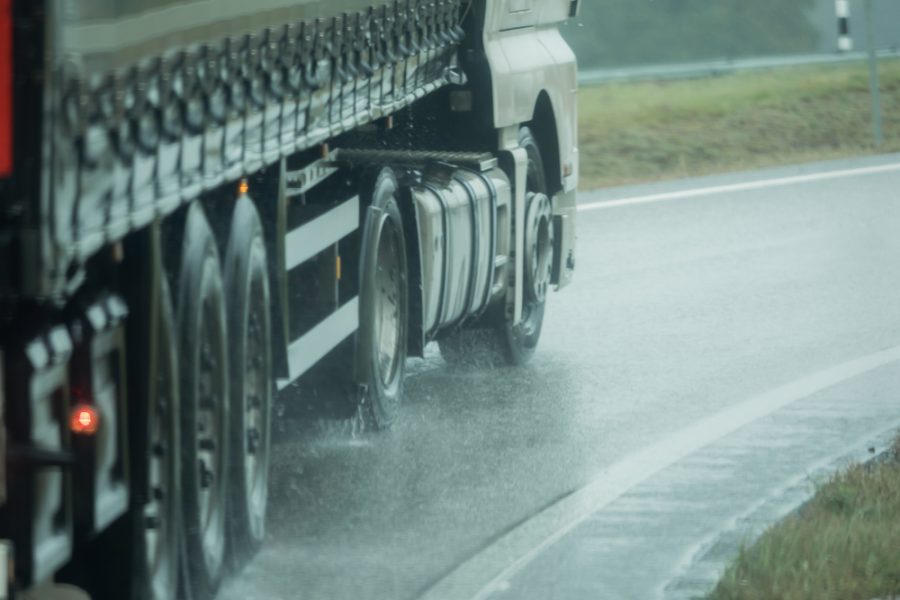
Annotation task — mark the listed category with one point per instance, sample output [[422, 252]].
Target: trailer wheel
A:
[[384, 306], [250, 329], [496, 341], [159, 522], [203, 354]]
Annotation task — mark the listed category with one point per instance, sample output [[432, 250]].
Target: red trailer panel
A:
[[6, 89]]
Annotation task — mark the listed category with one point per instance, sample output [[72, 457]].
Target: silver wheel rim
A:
[[388, 289], [158, 510], [539, 246], [256, 417], [210, 429], [532, 310]]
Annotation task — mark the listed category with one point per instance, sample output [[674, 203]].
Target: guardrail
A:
[[718, 67]]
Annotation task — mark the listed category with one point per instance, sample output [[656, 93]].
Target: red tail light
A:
[[6, 89], [84, 419]]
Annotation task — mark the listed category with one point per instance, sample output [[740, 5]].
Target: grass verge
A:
[[659, 130], [842, 545]]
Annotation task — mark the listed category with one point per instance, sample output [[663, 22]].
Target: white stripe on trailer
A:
[[309, 349], [313, 237]]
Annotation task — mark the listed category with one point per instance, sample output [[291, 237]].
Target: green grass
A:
[[651, 131], [843, 545]]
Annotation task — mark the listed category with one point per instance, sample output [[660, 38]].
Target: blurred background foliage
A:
[[617, 32], [613, 33]]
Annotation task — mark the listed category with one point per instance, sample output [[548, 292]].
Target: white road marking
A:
[[738, 187], [513, 551]]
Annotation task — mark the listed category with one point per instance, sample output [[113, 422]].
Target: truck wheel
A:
[[250, 330], [497, 341], [204, 408], [140, 556], [384, 306], [519, 341], [159, 522]]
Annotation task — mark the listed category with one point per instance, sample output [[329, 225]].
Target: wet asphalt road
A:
[[681, 311]]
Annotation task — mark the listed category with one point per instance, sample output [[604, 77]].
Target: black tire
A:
[[519, 341], [140, 556], [203, 344], [384, 306], [250, 331], [159, 521], [496, 341]]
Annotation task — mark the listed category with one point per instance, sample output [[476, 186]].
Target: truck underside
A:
[[215, 208]]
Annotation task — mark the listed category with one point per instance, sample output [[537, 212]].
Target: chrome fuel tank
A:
[[462, 223]]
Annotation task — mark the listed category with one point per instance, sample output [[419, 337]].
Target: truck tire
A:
[[495, 341], [250, 331], [203, 344], [140, 556], [519, 341], [159, 522], [384, 306]]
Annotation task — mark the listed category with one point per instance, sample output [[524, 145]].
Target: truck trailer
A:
[[210, 208]]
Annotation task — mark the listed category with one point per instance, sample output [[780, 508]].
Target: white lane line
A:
[[478, 578], [738, 187]]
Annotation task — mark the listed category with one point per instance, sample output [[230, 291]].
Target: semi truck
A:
[[210, 208]]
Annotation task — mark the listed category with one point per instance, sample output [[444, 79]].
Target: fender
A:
[[527, 60], [527, 55]]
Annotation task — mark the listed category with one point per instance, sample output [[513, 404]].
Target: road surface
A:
[[727, 340]]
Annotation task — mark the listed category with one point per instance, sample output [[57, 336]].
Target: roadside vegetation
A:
[[639, 132], [843, 545], [615, 33]]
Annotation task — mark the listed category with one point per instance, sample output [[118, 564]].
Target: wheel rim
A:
[[539, 246], [528, 329], [158, 522], [210, 430], [256, 418], [388, 298]]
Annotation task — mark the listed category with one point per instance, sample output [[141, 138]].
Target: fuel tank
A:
[[462, 217], [458, 207]]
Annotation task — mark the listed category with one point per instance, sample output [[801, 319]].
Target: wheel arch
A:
[[415, 344], [533, 74], [543, 126]]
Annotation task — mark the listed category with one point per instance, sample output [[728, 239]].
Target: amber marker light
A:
[[85, 419], [243, 187]]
